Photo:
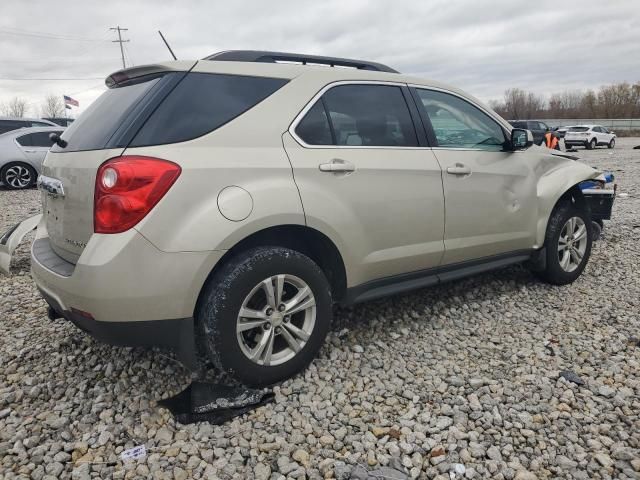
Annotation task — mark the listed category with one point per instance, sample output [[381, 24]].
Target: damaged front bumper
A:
[[10, 240]]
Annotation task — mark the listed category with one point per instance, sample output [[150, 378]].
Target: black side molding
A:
[[425, 278]]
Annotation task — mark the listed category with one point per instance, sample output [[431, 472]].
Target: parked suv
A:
[[538, 129], [589, 136], [235, 199]]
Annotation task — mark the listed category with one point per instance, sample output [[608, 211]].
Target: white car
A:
[[589, 136]]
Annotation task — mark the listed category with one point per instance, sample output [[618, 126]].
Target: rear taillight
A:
[[127, 188]]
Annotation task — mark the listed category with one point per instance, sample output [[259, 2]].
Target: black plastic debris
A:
[[570, 376], [214, 403]]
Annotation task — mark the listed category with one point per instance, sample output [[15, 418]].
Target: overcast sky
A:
[[483, 47]]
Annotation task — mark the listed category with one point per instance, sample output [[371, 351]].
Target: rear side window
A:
[[24, 140], [201, 103], [41, 139], [93, 129], [314, 128], [361, 115]]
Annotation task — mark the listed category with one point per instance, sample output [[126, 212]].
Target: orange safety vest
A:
[[550, 140]]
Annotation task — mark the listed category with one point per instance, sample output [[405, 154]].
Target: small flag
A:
[[71, 101]]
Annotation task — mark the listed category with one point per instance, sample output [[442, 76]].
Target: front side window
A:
[[359, 116], [459, 124]]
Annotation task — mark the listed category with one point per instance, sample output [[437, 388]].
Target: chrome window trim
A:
[[326, 88]]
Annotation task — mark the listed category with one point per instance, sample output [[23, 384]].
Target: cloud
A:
[[482, 47]]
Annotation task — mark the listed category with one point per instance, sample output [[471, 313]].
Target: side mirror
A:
[[521, 139]]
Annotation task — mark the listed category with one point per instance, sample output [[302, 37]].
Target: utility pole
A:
[[120, 41]]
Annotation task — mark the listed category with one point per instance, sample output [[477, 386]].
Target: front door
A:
[[490, 193], [366, 182]]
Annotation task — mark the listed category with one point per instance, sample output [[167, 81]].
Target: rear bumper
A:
[[124, 291], [177, 334]]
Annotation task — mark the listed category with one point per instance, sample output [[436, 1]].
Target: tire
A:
[[18, 176], [240, 284], [554, 272], [612, 143], [592, 144]]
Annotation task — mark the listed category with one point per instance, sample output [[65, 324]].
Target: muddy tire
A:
[[567, 244], [264, 315]]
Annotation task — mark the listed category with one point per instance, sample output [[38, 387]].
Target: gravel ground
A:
[[466, 373]]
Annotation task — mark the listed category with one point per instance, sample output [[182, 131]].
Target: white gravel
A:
[[466, 373]]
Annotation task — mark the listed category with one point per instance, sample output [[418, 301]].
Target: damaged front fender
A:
[[12, 238], [557, 181]]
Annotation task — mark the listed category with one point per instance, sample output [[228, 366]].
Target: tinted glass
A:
[[201, 103], [314, 128], [41, 124], [579, 129], [41, 139], [8, 125], [458, 124], [519, 124], [370, 115], [93, 129], [24, 140]]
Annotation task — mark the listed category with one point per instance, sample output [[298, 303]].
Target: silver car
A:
[[21, 154]]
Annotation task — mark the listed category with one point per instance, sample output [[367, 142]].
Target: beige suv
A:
[[226, 204]]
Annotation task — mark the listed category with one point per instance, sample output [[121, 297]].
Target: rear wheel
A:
[[16, 176], [592, 144], [612, 143], [265, 314], [568, 244]]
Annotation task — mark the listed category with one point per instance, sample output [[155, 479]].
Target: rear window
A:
[[579, 129], [201, 103], [95, 127]]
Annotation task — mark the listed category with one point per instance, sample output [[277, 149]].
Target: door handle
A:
[[337, 165], [459, 169]]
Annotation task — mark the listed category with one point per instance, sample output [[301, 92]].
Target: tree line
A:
[[51, 107], [619, 100]]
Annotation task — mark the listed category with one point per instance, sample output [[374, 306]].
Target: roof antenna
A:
[[167, 44]]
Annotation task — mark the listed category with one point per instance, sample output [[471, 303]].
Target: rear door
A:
[[490, 193], [366, 179]]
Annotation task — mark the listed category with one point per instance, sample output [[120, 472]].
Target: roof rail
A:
[[276, 57]]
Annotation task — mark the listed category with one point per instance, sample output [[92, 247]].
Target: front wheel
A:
[[612, 143], [265, 315], [568, 244]]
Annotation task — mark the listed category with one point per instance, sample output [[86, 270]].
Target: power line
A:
[[120, 41], [52, 79], [51, 36]]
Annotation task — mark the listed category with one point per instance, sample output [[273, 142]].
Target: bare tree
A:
[[620, 100], [16, 107], [52, 106]]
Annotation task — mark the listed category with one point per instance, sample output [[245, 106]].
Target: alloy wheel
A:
[[18, 176], [572, 244], [276, 320]]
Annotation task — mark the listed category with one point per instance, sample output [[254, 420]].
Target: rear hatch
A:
[[100, 133], [577, 134]]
